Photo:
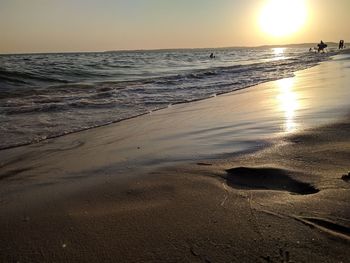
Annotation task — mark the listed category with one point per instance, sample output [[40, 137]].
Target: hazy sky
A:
[[98, 25]]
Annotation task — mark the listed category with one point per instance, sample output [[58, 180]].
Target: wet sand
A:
[[235, 178]]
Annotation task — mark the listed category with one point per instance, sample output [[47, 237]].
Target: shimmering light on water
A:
[[278, 51], [288, 102]]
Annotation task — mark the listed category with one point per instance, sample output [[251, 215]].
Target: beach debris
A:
[[346, 177], [64, 245]]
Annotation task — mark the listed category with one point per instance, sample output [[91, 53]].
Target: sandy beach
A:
[[249, 176]]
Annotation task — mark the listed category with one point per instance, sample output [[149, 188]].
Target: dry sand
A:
[[213, 212], [137, 191]]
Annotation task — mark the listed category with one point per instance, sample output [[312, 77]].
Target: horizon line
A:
[[163, 49]]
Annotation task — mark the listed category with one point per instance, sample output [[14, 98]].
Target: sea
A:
[[49, 95]]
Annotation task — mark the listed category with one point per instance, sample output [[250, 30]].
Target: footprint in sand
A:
[[267, 179]]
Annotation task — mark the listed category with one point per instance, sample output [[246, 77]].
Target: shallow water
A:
[[47, 95], [220, 127]]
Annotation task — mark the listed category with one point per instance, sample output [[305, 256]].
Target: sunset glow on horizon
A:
[[91, 25]]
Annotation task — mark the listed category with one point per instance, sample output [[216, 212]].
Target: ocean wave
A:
[[188, 86], [82, 91], [25, 77]]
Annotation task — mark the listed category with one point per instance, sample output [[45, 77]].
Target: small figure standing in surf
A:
[[321, 46]]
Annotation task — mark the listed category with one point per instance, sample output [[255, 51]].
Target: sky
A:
[[28, 26]]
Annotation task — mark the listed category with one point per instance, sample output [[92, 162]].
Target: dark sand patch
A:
[[267, 179], [14, 172], [204, 164], [346, 177]]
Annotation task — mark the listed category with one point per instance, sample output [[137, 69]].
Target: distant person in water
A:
[[212, 55], [321, 46], [341, 44]]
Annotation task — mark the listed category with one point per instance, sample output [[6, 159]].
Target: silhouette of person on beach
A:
[[341, 44], [212, 55], [321, 46]]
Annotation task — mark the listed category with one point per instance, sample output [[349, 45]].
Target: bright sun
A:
[[283, 17]]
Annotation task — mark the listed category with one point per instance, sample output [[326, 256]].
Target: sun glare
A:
[[283, 17], [288, 101]]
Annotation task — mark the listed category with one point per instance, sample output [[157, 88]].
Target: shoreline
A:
[[149, 190], [282, 107], [33, 140]]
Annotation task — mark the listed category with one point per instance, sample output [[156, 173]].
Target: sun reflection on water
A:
[[288, 101], [278, 51]]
